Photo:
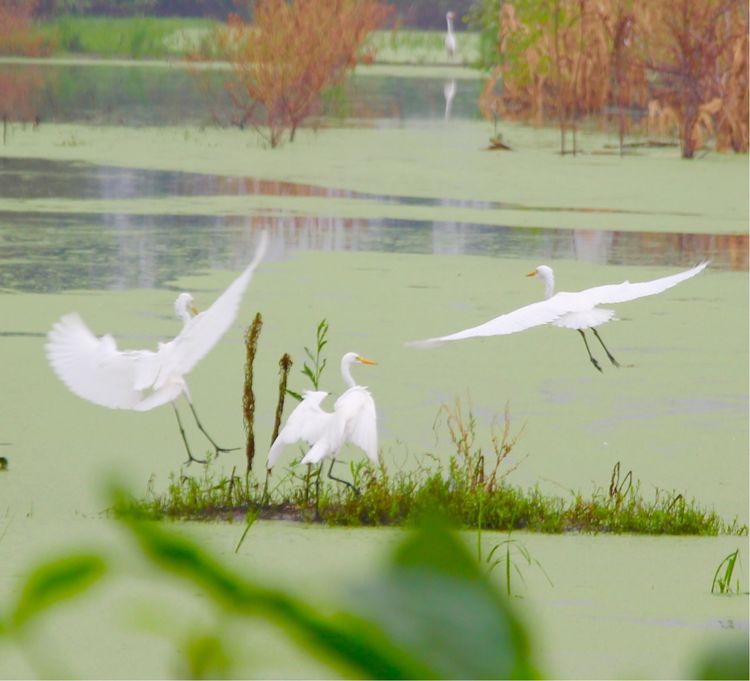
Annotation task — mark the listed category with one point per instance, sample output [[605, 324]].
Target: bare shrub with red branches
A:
[[686, 60], [19, 89], [17, 33], [291, 52]]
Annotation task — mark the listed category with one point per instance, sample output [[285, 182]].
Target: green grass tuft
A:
[[471, 488]]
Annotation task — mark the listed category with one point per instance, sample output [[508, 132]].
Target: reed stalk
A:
[[248, 396]]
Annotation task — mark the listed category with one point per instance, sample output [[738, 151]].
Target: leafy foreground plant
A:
[[431, 613], [470, 481]]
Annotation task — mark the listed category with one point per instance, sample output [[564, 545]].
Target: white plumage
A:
[[94, 369], [307, 422], [577, 310], [353, 419], [450, 37]]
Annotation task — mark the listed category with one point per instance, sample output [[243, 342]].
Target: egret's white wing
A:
[[93, 368], [357, 410], [204, 330], [307, 422], [536, 314], [620, 293]]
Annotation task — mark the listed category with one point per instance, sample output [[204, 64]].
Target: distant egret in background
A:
[[450, 37], [94, 369], [353, 420], [577, 311]]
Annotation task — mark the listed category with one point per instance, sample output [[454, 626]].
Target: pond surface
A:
[[675, 414], [99, 94], [50, 251]]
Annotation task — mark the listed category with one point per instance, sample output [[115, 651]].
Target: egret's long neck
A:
[[346, 373], [183, 313], [549, 283], [450, 25]]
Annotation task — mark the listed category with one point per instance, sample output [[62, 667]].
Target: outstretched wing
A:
[[307, 422], [204, 330], [93, 368], [547, 311], [357, 410], [536, 314], [620, 293]]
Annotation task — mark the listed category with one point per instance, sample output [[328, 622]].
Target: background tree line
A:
[[412, 13]]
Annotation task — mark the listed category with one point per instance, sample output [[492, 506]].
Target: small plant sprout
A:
[[619, 490], [315, 371], [722, 581], [508, 544], [508, 547], [250, 517]]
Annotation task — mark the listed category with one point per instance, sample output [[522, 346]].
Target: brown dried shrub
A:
[[290, 53]]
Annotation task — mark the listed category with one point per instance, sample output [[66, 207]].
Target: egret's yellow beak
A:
[[531, 274], [364, 360], [194, 310]]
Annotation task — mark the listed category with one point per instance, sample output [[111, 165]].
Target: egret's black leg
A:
[[333, 477], [609, 354], [191, 458], [203, 430], [264, 498], [591, 357], [317, 490]]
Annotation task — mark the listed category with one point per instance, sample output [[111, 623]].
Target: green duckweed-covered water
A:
[[675, 413]]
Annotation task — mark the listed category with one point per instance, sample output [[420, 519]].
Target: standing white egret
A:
[[353, 420], [450, 37], [94, 369], [577, 310]]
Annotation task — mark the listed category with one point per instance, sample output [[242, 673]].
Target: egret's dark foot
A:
[[609, 354], [191, 458], [219, 450], [588, 351], [343, 482]]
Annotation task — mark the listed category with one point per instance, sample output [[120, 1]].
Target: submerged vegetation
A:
[[470, 485]]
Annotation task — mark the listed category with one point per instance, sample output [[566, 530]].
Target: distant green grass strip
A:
[[161, 37], [134, 37]]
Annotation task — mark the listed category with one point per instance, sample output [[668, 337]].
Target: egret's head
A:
[[450, 15], [352, 357], [184, 307], [548, 278], [543, 272]]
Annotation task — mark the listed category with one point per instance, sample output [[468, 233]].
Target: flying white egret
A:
[[577, 310], [353, 420], [94, 369], [450, 37]]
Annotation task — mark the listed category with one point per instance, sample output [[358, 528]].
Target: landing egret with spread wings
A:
[[96, 370], [577, 310], [353, 419]]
